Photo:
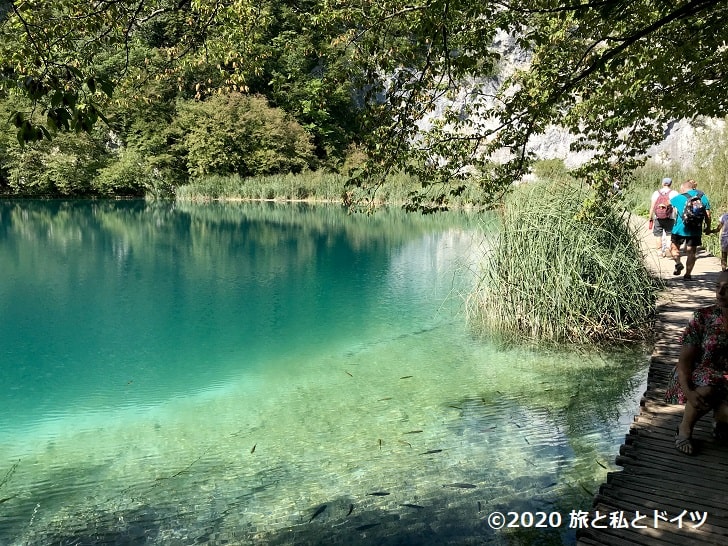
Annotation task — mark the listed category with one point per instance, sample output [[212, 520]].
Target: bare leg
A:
[[674, 252], [690, 261], [691, 416]]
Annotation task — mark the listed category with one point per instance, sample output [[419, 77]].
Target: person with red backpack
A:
[[662, 216]]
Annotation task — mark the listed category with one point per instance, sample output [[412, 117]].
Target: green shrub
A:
[[128, 175], [552, 278], [240, 134], [550, 170], [63, 167]]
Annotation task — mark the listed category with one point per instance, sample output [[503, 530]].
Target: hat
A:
[[667, 181]]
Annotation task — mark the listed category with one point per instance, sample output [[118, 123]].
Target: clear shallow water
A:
[[217, 373]]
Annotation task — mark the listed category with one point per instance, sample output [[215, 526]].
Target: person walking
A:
[[692, 210], [662, 216]]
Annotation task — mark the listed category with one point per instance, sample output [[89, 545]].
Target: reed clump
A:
[[553, 275]]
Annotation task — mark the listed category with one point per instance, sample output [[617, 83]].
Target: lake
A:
[[258, 373]]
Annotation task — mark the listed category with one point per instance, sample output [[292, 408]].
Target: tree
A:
[[240, 134], [610, 71], [68, 58], [613, 73]]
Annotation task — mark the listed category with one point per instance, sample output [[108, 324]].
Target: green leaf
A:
[[17, 118], [106, 86]]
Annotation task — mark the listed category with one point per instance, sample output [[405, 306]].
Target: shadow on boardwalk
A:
[[656, 480]]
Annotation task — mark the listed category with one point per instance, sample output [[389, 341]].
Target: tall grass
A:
[[308, 185], [319, 186], [552, 278]]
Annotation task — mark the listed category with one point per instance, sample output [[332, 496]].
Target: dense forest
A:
[[165, 121], [139, 97]]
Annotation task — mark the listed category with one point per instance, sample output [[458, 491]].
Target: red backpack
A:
[[663, 208]]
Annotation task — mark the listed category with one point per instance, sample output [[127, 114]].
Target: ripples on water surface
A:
[[218, 374]]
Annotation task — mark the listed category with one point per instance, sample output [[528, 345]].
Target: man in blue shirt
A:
[[691, 235]]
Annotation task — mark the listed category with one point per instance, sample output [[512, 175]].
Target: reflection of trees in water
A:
[[226, 236]]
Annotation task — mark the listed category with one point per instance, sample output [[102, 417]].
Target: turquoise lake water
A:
[[278, 374]]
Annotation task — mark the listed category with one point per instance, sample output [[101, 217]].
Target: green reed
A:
[[278, 187], [305, 186], [552, 277], [322, 186]]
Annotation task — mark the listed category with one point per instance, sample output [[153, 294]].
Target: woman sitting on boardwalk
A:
[[701, 374]]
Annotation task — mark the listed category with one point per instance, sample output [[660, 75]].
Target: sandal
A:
[[678, 268], [688, 277], [684, 444]]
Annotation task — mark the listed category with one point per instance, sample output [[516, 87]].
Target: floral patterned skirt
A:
[[701, 377]]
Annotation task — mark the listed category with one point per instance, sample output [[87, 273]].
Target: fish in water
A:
[[380, 444], [415, 506], [591, 494], [413, 432], [385, 398], [253, 449], [430, 451], [405, 443], [480, 506], [461, 485], [347, 373], [367, 526], [318, 512], [405, 377], [351, 509], [379, 493]]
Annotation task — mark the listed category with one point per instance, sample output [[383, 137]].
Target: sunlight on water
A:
[[226, 395]]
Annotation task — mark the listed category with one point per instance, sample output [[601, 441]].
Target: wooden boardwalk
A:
[[655, 478]]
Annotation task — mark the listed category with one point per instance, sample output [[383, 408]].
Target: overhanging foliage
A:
[[612, 72]]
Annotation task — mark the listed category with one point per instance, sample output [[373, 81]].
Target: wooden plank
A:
[[666, 533], [664, 447], [615, 538], [716, 515], [668, 491], [654, 475], [711, 456]]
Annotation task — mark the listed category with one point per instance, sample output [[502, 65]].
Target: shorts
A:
[[662, 225], [692, 241]]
